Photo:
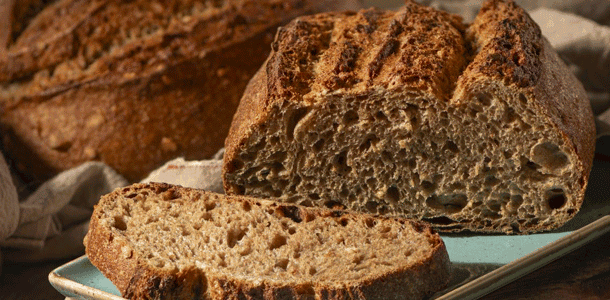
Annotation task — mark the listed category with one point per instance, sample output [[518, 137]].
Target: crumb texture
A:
[[253, 244], [477, 128]]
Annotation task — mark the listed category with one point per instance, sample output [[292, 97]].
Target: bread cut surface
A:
[[130, 83], [159, 241], [475, 127]]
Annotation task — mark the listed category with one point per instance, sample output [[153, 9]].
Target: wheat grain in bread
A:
[[130, 83], [475, 127], [160, 241]]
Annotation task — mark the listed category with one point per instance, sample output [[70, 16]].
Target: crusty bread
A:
[[160, 241], [130, 83], [412, 113]]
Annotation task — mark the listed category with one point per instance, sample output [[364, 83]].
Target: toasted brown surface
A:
[[130, 83], [509, 45], [167, 242], [477, 127]]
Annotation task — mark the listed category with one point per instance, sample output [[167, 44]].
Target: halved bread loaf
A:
[[130, 83], [159, 241], [411, 113]]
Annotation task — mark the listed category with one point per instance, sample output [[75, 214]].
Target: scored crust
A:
[[125, 261], [493, 94]]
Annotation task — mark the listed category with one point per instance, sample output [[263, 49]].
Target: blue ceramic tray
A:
[[499, 260]]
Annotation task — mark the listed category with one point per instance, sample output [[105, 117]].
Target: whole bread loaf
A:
[[159, 241], [130, 83], [411, 113]]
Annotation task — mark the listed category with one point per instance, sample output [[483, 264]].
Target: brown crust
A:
[[502, 48], [336, 41], [509, 45], [567, 106], [161, 94], [116, 258]]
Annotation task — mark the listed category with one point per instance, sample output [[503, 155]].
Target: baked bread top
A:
[[131, 83], [91, 35], [168, 242], [471, 127]]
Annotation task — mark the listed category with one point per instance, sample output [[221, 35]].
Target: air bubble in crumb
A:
[[277, 242], [549, 156], [282, 263], [210, 205], [556, 198], [234, 236], [185, 232], [119, 223]]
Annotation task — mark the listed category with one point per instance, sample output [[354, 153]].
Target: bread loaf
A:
[[411, 113], [158, 241], [130, 83]]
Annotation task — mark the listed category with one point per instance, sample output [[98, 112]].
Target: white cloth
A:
[[53, 219], [205, 174]]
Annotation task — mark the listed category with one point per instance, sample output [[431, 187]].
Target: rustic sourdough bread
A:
[[159, 241], [411, 113], [130, 83]]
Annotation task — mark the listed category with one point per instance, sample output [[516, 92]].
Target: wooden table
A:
[[28, 281], [582, 274]]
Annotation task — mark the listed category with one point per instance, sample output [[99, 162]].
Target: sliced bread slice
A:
[[160, 241], [411, 113]]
